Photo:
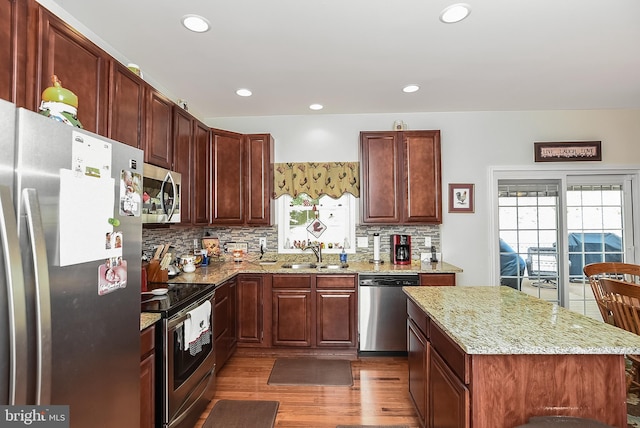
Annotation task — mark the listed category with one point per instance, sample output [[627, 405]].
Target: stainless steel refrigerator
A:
[[69, 305]]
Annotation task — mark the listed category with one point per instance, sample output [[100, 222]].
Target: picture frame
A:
[[461, 198], [569, 151]]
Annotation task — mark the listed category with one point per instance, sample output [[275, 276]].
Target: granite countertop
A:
[[148, 319], [501, 320], [218, 272]]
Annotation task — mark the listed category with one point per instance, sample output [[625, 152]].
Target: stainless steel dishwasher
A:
[[382, 312]]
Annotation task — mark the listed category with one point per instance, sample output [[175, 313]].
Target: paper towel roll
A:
[[376, 247]]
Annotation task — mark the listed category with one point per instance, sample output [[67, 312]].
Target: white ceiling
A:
[[354, 56]]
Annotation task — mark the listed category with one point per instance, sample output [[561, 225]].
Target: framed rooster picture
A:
[[461, 198]]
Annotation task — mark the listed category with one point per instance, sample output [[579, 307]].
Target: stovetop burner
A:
[[178, 297]]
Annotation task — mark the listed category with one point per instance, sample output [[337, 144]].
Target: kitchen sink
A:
[[340, 266], [299, 265]]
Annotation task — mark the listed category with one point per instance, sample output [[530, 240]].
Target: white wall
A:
[[472, 142]]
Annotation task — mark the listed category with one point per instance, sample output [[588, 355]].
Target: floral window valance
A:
[[316, 179]]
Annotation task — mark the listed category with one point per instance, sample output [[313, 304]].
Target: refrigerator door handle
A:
[[169, 180], [43, 295], [16, 303]]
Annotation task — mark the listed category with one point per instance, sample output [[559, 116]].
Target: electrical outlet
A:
[[263, 243], [427, 241]]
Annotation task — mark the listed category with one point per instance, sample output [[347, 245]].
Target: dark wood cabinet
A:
[[448, 396], [183, 161], [249, 317], [224, 327], [158, 137], [242, 179], [259, 179], [201, 173], [147, 377], [418, 358], [292, 305], [227, 195], [401, 177], [336, 317], [126, 106], [81, 66], [13, 51], [437, 279]]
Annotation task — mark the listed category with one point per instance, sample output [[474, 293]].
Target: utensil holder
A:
[[155, 274]]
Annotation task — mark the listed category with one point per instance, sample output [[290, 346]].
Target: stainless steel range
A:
[[185, 383]]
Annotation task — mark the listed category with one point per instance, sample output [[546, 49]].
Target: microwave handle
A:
[[169, 180]]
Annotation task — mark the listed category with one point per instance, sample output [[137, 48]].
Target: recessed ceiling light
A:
[[244, 92], [410, 88], [196, 23], [455, 13], [316, 106]]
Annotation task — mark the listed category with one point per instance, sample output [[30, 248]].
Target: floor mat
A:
[[242, 414], [311, 371], [372, 426]]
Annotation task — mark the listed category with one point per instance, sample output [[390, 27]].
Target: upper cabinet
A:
[[126, 106], [13, 51], [158, 146], [401, 177], [201, 173], [242, 180], [80, 65]]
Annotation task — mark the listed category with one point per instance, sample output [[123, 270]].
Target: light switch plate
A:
[[427, 241], [363, 242]]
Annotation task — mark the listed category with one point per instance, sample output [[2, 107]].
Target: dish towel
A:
[[197, 328]]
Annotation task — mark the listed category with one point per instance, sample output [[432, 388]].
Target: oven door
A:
[[189, 379]]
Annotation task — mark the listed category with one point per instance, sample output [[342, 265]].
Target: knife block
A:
[[155, 274]]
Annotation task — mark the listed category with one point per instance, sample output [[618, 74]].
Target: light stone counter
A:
[[148, 319], [501, 320]]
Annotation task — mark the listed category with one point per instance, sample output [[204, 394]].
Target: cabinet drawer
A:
[[336, 281], [147, 340], [418, 316], [437, 279], [451, 353], [291, 281]]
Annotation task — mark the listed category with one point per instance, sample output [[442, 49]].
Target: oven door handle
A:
[[175, 321]]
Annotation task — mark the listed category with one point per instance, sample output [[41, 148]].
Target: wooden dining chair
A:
[[617, 270], [623, 300]]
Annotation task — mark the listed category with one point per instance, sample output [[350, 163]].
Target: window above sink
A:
[[328, 221]]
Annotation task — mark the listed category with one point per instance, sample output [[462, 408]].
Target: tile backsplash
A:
[[182, 238]]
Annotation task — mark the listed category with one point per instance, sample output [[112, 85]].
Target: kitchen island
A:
[[494, 357]]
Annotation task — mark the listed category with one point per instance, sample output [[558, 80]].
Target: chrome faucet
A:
[[316, 248]]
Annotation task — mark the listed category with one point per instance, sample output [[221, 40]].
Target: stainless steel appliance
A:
[[69, 313], [161, 195], [382, 312], [185, 382], [400, 249]]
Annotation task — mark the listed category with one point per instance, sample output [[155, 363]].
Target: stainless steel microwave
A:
[[160, 195]]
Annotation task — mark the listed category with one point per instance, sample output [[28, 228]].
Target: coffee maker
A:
[[401, 249]]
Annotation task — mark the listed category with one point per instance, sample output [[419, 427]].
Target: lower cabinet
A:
[[439, 389], [249, 317], [437, 279], [314, 311], [225, 322], [147, 377]]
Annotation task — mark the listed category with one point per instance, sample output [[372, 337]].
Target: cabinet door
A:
[[421, 167], [227, 181], [437, 279], [448, 396], [126, 106], [232, 318], [292, 318], [147, 378], [249, 317], [335, 318], [158, 136], [418, 357], [221, 325], [183, 149], [13, 51], [381, 192], [80, 65], [259, 182], [201, 176]]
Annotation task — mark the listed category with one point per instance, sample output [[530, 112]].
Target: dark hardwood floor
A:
[[379, 395]]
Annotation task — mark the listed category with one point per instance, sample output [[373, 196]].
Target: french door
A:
[[550, 228]]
